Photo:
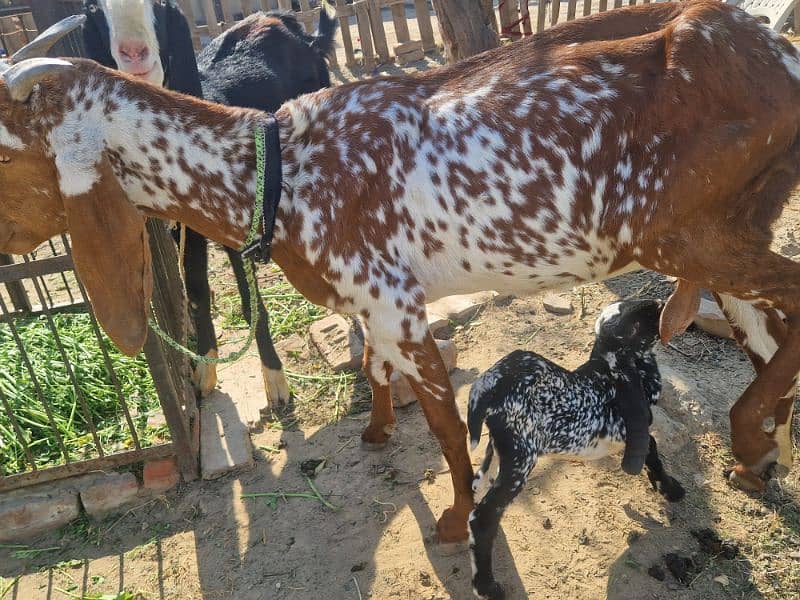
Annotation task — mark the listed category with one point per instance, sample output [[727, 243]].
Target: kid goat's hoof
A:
[[493, 591]]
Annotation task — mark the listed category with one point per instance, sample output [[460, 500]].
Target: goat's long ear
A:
[[634, 407], [182, 69], [112, 258]]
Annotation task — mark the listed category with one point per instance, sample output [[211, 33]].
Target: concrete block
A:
[[337, 341], [32, 514], [225, 444], [109, 494], [460, 309], [558, 304]]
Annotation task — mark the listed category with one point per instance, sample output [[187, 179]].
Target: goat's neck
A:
[[177, 158]]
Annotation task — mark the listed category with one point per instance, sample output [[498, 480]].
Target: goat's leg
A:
[[402, 340], [665, 485], [276, 387], [760, 332], [485, 466], [195, 266], [431, 384], [382, 419], [769, 280], [485, 519]]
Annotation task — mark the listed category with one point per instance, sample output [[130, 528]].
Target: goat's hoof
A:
[[276, 387], [376, 437], [452, 526], [493, 591], [744, 479], [204, 377]]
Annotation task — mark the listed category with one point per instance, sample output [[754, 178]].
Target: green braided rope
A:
[[248, 271]]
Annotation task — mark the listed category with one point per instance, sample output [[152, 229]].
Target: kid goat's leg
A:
[[276, 387], [667, 486], [485, 519]]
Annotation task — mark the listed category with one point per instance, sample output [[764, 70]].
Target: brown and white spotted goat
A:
[[631, 138]]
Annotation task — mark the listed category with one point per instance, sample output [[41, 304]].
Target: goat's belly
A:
[[464, 273], [598, 448]]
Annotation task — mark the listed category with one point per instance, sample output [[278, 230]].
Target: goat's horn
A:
[[48, 38], [21, 78]]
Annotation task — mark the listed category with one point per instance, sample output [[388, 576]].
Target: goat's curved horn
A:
[[21, 78], [48, 38]]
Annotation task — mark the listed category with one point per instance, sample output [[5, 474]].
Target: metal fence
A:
[[55, 430]]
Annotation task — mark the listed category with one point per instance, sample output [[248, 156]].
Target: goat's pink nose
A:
[[134, 51]]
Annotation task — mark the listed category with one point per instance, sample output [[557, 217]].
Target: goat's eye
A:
[[93, 8], [4, 160]]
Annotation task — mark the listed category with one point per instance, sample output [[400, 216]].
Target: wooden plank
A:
[[188, 12], [525, 15], [407, 47], [617, 3], [603, 5], [227, 13], [14, 482], [247, 7], [211, 18], [36, 268], [362, 18], [571, 9], [508, 15], [400, 25], [284, 4], [555, 11], [31, 31], [15, 289], [378, 32], [425, 26], [587, 7], [344, 27], [541, 13]]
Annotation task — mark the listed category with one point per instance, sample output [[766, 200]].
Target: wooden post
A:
[[211, 18], [167, 366], [465, 28], [425, 26], [378, 31], [362, 18], [571, 7], [541, 14], [343, 13], [15, 289]]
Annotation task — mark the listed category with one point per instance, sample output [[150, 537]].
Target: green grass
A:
[[84, 354]]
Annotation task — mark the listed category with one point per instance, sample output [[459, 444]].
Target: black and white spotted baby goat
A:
[[534, 407]]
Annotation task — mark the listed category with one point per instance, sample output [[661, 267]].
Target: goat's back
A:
[[261, 62]]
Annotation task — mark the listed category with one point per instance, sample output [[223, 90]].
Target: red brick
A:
[[161, 475]]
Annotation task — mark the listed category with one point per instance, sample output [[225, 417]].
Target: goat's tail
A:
[[323, 38], [479, 397]]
